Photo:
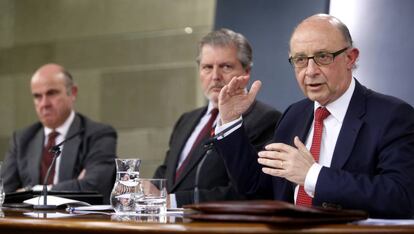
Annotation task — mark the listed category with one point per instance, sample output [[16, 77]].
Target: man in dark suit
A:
[[358, 150], [223, 54], [87, 161]]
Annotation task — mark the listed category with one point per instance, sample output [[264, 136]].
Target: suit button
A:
[[325, 205]]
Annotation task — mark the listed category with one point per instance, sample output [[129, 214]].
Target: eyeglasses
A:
[[321, 58]]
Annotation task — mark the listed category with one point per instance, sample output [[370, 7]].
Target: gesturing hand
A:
[[234, 99], [291, 163]]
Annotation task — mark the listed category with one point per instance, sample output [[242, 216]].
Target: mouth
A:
[[216, 88], [314, 86]]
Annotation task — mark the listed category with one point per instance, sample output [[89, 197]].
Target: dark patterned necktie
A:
[[48, 158]]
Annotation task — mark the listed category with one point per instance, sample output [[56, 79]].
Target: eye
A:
[[300, 60], [206, 68], [323, 57], [227, 68], [37, 97], [52, 92]]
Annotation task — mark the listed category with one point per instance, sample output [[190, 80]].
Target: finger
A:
[[301, 147], [244, 81], [272, 163], [236, 83], [304, 152], [279, 147], [255, 89], [272, 171], [223, 93], [268, 154]]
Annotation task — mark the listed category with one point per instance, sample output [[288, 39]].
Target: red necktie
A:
[[48, 158], [205, 132], [321, 113]]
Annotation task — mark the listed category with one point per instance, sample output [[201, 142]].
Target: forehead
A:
[[212, 53], [314, 36], [43, 83]]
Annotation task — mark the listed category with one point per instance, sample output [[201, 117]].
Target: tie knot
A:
[[321, 113], [53, 134]]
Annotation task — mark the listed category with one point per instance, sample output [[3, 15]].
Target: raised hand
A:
[[234, 99]]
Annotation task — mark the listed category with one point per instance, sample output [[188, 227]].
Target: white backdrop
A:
[[383, 31]]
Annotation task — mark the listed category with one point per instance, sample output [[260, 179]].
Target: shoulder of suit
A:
[[261, 108], [29, 131], [300, 105], [194, 112], [89, 124]]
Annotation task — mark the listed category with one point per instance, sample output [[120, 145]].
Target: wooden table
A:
[[27, 221]]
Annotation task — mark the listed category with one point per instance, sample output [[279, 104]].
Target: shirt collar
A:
[[209, 108], [339, 107], [64, 128]]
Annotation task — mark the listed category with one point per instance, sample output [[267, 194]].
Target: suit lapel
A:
[[187, 129], [350, 127], [303, 130], [35, 151], [70, 152], [196, 156]]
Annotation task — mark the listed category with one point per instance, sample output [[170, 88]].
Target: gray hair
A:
[[69, 82], [226, 37]]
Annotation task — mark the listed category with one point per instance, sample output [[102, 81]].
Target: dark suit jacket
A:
[[372, 166], [93, 150], [214, 183]]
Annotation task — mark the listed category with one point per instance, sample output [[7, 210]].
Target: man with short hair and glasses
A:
[[345, 146]]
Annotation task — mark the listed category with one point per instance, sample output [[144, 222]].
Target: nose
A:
[[312, 68], [216, 74], [44, 101]]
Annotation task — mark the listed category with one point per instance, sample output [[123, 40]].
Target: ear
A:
[[352, 57], [74, 91], [248, 71]]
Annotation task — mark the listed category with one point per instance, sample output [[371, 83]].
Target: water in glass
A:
[[127, 175]]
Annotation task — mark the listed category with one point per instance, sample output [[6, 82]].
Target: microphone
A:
[[56, 151], [209, 143]]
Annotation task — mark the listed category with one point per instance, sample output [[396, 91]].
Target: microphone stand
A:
[[209, 145], [56, 151]]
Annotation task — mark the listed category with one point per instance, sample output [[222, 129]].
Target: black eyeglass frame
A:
[[334, 54]]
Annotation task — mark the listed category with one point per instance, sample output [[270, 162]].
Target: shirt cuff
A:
[[219, 128], [311, 179], [173, 201]]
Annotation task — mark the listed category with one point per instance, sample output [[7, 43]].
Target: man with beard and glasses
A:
[[223, 54]]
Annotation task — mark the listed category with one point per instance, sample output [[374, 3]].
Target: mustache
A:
[[216, 86]]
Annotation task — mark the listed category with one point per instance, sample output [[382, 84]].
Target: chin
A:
[[213, 98]]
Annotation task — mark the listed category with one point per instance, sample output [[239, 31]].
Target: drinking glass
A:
[[151, 196], [127, 175]]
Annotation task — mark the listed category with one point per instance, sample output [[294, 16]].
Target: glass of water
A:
[[151, 197], [127, 175]]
